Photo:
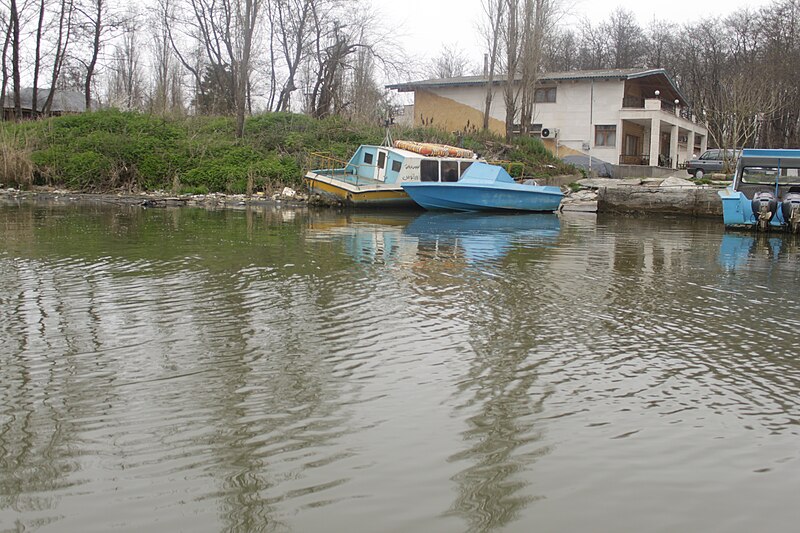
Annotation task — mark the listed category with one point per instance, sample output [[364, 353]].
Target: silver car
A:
[[710, 162]]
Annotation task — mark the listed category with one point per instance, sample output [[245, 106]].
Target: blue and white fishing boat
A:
[[373, 176], [765, 193], [484, 187]]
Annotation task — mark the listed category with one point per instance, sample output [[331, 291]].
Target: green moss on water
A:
[[114, 150]]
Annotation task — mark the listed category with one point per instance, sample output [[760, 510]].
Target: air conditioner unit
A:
[[549, 132]]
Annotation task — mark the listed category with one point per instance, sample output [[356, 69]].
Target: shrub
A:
[[111, 149], [16, 165]]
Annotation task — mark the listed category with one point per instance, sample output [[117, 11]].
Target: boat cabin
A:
[[776, 171], [393, 165], [375, 174]]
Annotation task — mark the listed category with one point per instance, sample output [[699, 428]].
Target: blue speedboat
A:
[[765, 192], [484, 187]]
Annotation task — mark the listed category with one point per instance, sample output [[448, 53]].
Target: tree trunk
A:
[[98, 28], [15, 74], [37, 62], [65, 20], [6, 42], [495, 44]]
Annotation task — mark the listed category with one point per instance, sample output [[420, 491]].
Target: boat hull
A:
[[468, 197], [737, 211], [336, 190]]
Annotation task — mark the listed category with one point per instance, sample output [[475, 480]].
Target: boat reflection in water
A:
[[368, 238], [484, 237], [754, 250], [466, 237]]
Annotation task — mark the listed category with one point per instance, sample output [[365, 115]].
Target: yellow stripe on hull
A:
[[359, 198]]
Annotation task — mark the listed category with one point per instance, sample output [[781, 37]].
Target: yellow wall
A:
[[439, 112], [563, 151], [436, 111]]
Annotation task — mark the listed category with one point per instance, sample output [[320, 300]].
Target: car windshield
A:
[[716, 155], [767, 175]]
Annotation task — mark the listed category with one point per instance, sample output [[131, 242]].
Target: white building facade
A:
[[626, 117]]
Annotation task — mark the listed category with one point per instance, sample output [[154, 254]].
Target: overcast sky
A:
[[428, 24]]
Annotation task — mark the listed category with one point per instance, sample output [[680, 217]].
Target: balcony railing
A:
[[638, 102], [642, 160], [635, 102]]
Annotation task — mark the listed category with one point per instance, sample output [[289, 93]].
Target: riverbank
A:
[[160, 199], [649, 196], [646, 197], [110, 151]]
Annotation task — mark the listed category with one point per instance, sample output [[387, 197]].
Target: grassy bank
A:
[[111, 150]]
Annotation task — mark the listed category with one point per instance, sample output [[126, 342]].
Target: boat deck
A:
[[352, 179]]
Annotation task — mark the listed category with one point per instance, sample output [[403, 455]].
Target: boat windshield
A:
[[767, 175]]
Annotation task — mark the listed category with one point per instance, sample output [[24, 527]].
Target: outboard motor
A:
[[791, 209], [764, 208]]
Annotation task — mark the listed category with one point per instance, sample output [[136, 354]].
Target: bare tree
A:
[[221, 32], [660, 47], [340, 48], [15, 50], [512, 42], [367, 100], [37, 61], [625, 38], [166, 93], [61, 46], [162, 58], [736, 111], [539, 16], [95, 16], [291, 20], [593, 51], [560, 51], [494, 10], [451, 62], [246, 15], [126, 87], [527, 22], [6, 42]]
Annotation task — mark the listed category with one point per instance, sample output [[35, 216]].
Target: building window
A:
[[396, 166], [605, 135], [631, 145], [368, 158], [429, 170], [545, 95]]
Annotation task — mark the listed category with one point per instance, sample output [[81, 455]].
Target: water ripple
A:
[[272, 373]]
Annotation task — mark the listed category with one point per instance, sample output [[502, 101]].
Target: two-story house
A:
[[626, 117]]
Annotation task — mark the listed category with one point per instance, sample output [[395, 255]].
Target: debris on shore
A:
[[163, 199]]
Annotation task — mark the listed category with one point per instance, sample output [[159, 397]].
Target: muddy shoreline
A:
[[644, 197], [154, 200]]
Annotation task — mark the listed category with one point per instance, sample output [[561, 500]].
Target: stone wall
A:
[[698, 202]]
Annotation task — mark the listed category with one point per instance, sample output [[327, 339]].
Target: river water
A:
[[279, 370]]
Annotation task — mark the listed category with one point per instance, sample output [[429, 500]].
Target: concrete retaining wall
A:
[[660, 200], [635, 171]]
